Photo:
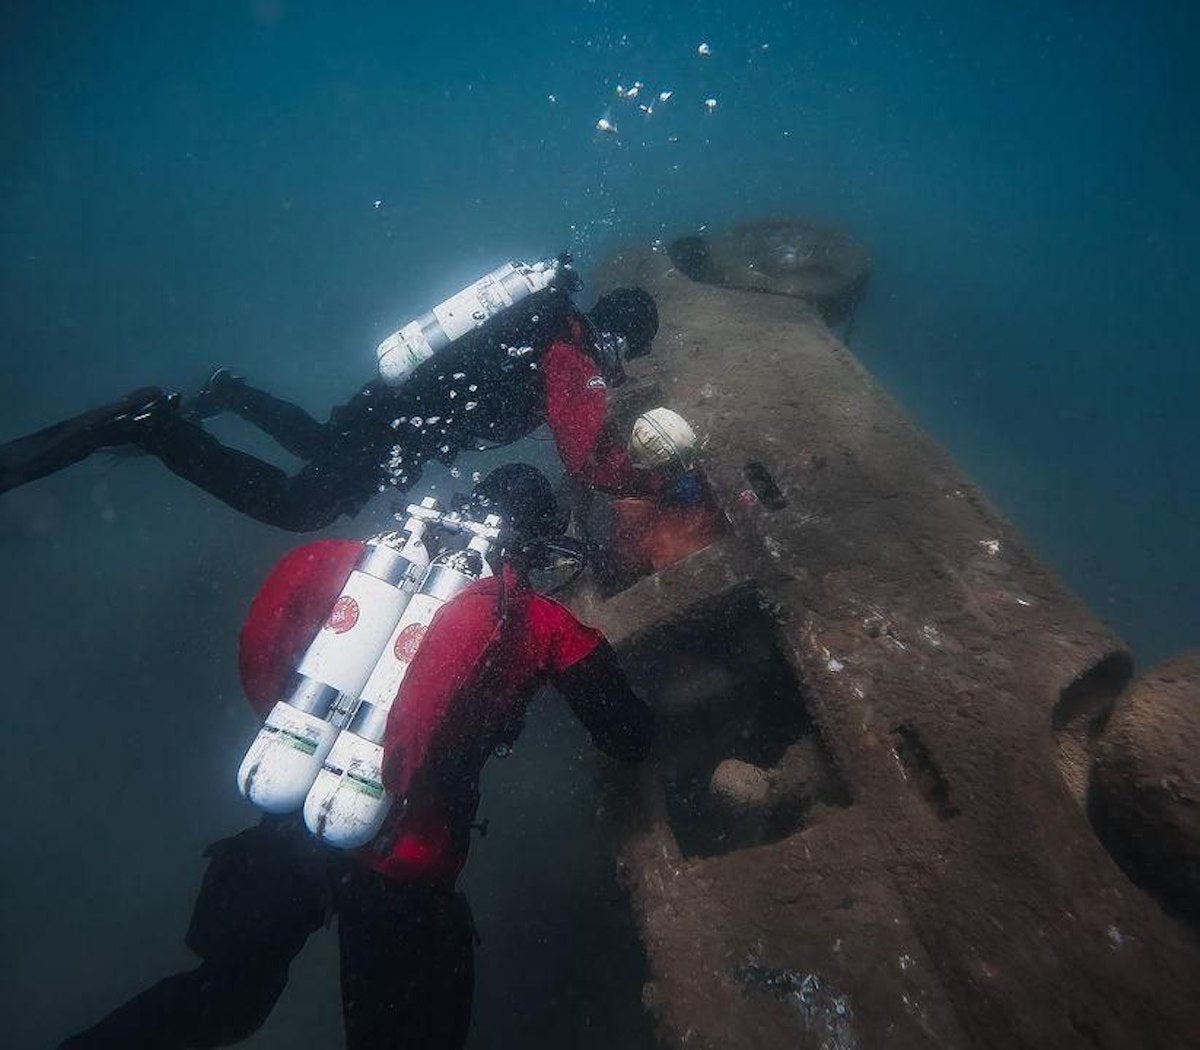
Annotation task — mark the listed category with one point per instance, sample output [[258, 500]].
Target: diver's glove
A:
[[214, 397], [685, 489]]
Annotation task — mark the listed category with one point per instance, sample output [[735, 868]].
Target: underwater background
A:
[[276, 185]]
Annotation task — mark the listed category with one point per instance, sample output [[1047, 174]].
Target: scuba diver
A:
[[485, 368], [406, 936]]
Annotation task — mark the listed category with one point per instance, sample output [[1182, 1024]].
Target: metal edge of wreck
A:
[[904, 692]]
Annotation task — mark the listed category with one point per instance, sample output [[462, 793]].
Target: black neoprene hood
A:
[[630, 312], [522, 496]]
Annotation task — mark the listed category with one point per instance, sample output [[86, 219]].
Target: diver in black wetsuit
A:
[[466, 397], [346, 459], [343, 457]]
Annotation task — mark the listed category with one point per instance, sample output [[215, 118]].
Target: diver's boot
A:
[[135, 417]]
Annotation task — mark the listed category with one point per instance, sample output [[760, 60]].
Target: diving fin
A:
[[34, 456]]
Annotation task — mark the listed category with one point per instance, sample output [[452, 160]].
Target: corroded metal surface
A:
[[933, 881], [1144, 797], [784, 256]]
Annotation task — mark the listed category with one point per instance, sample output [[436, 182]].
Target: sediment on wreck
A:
[[865, 822]]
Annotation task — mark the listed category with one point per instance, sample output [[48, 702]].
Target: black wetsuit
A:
[[407, 951], [381, 436], [407, 945], [471, 396]]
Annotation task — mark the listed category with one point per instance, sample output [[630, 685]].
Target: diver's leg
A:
[[408, 965], [289, 425], [55, 447], [340, 484], [264, 892]]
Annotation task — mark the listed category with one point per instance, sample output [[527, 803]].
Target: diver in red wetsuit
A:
[[407, 951], [468, 396]]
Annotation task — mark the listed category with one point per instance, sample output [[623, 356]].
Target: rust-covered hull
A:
[[923, 874]]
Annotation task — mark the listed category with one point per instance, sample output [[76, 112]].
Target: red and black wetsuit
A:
[[405, 936], [465, 692], [384, 435]]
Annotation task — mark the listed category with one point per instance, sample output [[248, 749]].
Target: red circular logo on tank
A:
[[408, 641], [343, 615]]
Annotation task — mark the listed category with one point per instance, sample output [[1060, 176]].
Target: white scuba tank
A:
[[286, 755], [473, 307], [348, 804]]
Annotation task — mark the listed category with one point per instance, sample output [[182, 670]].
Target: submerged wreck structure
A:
[[868, 821]]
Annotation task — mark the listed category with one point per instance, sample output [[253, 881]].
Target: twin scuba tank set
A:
[[321, 747]]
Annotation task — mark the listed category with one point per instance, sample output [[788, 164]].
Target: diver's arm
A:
[[576, 409], [599, 694]]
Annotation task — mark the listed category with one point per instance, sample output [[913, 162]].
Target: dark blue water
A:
[[275, 185]]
